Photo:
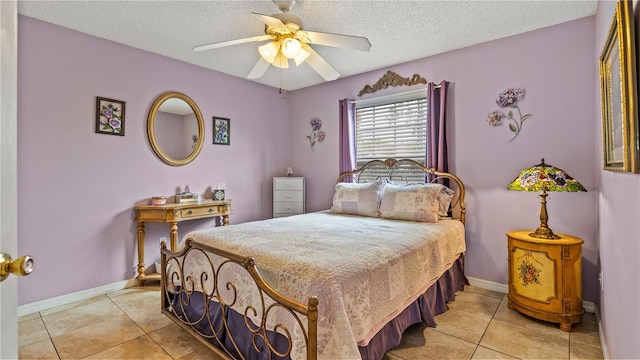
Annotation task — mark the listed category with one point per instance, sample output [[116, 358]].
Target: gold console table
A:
[[173, 214]]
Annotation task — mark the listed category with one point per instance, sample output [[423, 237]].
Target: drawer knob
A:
[[210, 210], [189, 212]]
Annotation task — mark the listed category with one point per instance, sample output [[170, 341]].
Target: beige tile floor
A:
[[127, 324]]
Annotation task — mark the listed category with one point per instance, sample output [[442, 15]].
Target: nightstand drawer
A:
[[198, 212], [288, 183], [288, 196], [286, 207]]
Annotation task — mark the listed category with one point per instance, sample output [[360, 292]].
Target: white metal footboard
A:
[[203, 288]]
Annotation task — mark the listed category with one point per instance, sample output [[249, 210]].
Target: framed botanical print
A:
[[109, 116], [221, 130], [618, 94]]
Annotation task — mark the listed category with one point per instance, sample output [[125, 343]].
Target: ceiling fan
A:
[[287, 40]]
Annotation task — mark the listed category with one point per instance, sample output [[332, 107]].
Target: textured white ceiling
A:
[[399, 31]]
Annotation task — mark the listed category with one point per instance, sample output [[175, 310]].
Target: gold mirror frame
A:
[[618, 94], [151, 121]]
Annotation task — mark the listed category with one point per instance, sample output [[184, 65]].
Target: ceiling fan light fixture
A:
[[280, 61], [287, 40], [269, 51], [291, 47], [301, 57]]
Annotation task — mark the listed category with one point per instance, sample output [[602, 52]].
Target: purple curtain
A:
[[437, 156], [347, 136]]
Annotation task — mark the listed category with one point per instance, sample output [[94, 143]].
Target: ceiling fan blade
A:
[[338, 40], [259, 69], [271, 21], [320, 65], [233, 42]]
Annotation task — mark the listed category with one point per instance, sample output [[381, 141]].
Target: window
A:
[[392, 127]]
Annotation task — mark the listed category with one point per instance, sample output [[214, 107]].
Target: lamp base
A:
[[544, 232]]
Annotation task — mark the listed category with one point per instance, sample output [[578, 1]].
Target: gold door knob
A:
[[21, 266]]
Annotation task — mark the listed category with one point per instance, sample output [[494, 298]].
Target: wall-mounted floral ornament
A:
[[316, 135], [511, 99]]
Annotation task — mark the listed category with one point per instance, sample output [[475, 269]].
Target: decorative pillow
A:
[[357, 199], [420, 202], [444, 196], [444, 200]]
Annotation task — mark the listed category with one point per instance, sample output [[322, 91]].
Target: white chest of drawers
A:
[[288, 196]]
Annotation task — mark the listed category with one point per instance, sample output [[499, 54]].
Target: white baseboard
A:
[[503, 288], [488, 285], [73, 297], [603, 342]]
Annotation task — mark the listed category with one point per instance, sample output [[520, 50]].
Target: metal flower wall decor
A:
[[509, 99], [316, 135]]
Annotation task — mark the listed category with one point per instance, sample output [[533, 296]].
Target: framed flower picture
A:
[[618, 94], [221, 130], [109, 116]]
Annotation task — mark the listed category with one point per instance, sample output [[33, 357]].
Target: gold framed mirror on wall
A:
[[619, 94], [175, 128]]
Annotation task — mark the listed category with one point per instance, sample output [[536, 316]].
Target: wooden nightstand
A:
[[545, 277]]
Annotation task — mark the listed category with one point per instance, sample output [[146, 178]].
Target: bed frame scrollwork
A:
[[183, 284]]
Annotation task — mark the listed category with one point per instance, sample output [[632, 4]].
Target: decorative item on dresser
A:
[[288, 196], [172, 214], [545, 269]]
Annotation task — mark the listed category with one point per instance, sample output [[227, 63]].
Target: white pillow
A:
[[419, 202], [444, 196], [357, 199]]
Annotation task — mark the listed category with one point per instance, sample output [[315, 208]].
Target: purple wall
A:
[[618, 228], [77, 188], [556, 67]]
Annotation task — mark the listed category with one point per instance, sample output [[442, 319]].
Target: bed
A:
[[343, 283]]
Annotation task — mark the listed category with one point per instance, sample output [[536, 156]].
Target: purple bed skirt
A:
[[433, 302]]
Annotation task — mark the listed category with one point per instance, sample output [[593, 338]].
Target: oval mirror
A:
[[175, 128]]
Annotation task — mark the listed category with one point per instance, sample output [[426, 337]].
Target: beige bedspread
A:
[[363, 270]]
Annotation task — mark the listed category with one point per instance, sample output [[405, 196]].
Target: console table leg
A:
[[173, 236], [140, 253]]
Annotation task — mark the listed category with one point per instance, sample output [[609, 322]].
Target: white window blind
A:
[[392, 127]]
